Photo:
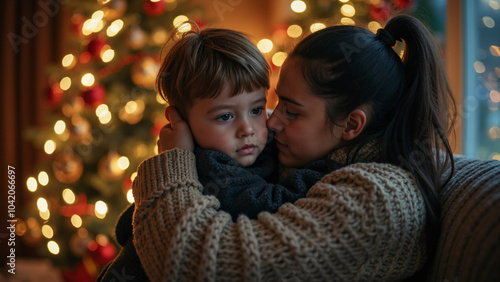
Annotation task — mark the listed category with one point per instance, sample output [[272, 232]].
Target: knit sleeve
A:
[[361, 222]]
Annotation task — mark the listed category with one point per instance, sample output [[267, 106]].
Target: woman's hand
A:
[[175, 134]]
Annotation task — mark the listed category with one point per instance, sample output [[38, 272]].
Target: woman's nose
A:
[[274, 123]]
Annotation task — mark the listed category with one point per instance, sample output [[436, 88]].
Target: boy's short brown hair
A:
[[201, 63]]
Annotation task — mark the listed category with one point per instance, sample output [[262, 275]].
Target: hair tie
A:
[[386, 37]]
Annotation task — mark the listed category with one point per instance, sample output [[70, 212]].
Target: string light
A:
[[49, 147], [43, 178], [100, 209], [294, 31], [114, 28], [65, 83], [278, 58], [495, 50], [298, 6], [68, 196], [265, 45], [489, 22], [495, 96], [108, 55], [47, 231], [317, 26], [494, 4], [31, 184], [88, 79], [373, 26], [76, 220], [68, 61], [348, 10], [130, 196], [59, 127], [347, 21], [42, 204], [479, 67], [53, 247], [180, 20], [123, 162], [45, 215]]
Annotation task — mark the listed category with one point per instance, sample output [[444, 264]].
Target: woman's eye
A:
[[257, 111], [224, 117], [290, 114]]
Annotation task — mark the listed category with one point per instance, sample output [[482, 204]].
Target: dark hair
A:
[[200, 63], [408, 99]]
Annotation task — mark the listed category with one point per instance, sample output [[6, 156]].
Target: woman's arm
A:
[[362, 222]]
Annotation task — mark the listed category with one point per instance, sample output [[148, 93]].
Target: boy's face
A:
[[234, 125]]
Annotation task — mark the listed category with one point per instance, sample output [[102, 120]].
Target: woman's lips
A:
[[247, 149], [280, 145]]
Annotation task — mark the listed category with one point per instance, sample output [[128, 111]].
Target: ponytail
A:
[[417, 134]]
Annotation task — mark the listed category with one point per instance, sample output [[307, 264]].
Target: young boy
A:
[[216, 79]]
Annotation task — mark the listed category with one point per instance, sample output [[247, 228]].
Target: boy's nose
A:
[[246, 129], [274, 123]]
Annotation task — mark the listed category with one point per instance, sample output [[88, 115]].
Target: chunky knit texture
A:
[[362, 222]]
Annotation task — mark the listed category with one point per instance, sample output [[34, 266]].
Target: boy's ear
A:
[[355, 123]]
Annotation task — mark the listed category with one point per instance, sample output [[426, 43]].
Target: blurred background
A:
[[79, 111]]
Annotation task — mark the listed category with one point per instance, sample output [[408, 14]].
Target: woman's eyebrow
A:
[[286, 99]]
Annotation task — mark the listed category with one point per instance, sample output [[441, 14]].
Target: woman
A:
[[345, 95]]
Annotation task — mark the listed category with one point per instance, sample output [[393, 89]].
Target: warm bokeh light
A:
[[65, 83], [133, 176], [347, 21], [49, 147], [265, 45], [495, 96], [123, 162], [294, 31], [180, 20], [59, 127], [298, 6], [494, 132], [114, 28], [348, 10], [45, 215], [105, 118], [43, 178], [88, 79], [495, 50], [68, 61], [489, 22], [131, 107], [68, 196], [100, 209], [53, 247], [130, 196], [479, 67], [494, 4], [373, 26], [42, 204], [317, 26], [279, 58], [31, 184], [76, 220], [47, 231], [101, 110], [108, 55]]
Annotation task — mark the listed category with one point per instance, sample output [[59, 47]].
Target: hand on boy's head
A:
[[175, 134]]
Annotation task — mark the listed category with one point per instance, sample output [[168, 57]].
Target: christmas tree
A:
[[106, 115]]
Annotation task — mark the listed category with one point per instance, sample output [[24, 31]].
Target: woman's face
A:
[[303, 134]]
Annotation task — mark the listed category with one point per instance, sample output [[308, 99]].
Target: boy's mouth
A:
[[247, 149]]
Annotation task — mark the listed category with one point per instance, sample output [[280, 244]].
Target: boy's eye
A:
[[224, 117], [257, 111]]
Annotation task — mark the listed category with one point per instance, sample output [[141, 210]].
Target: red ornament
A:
[[95, 47], [102, 254], [380, 12], [201, 23], [94, 96], [154, 8], [54, 95], [127, 185], [403, 4], [80, 208]]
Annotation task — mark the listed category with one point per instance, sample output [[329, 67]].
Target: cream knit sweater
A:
[[363, 222]]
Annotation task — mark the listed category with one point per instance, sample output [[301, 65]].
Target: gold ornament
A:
[[144, 72], [108, 167], [67, 168]]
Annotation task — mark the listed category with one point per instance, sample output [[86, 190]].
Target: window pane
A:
[[481, 114]]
